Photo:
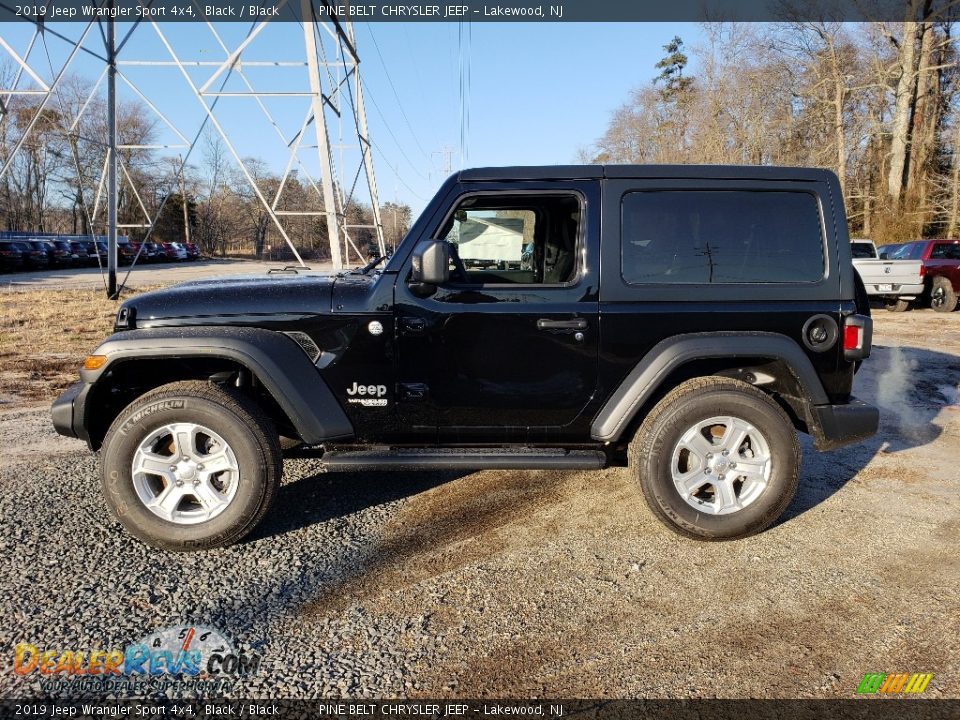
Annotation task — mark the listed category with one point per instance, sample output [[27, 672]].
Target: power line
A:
[[393, 135], [464, 44], [396, 173], [393, 87]]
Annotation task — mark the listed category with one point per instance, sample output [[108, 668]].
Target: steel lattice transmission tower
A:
[[331, 81]]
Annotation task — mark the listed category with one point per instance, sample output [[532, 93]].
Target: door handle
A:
[[575, 324], [414, 391]]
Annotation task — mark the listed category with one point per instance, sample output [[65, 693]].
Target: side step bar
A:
[[462, 459]]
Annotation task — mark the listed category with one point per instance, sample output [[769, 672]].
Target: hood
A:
[[236, 300]]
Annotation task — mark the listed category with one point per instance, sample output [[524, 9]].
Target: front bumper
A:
[[67, 412], [839, 425]]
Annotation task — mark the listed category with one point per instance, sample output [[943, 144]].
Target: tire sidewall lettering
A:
[[133, 422]]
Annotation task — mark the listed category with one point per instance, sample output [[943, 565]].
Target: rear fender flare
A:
[[668, 355]]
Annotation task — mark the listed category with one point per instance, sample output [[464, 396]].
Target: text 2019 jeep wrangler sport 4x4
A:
[[685, 321]]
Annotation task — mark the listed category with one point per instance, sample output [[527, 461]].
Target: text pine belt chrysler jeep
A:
[[683, 321]]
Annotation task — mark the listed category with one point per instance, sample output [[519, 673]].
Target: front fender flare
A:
[[275, 359], [666, 356]]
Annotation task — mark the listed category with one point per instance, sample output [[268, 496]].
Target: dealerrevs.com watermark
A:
[[178, 659]]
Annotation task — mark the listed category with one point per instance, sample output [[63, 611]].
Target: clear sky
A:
[[537, 93]]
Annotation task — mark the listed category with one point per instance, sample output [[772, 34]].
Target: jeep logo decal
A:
[[369, 395]]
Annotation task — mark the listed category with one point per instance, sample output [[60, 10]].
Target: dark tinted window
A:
[[860, 250], [721, 236], [945, 251]]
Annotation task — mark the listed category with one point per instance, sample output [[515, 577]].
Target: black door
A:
[[507, 351]]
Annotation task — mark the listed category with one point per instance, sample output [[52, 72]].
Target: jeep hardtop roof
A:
[[594, 172]]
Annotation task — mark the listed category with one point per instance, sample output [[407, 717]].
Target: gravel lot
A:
[[141, 275], [530, 583]]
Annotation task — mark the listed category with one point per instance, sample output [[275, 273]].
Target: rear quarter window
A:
[[721, 236], [945, 251]]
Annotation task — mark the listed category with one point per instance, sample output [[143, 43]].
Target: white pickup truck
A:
[[897, 282]]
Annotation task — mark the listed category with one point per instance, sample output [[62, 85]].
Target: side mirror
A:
[[431, 263]]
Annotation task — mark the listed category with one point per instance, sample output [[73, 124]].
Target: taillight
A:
[[923, 270], [857, 337], [852, 337]]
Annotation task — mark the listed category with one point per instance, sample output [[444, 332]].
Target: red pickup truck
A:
[[941, 268]]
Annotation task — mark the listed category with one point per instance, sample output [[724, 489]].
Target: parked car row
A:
[[43, 253]]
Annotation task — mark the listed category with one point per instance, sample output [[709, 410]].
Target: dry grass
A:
[[44, 337]]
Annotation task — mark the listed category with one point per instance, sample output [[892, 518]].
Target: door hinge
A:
[[413, 325]]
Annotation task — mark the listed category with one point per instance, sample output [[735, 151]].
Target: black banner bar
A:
[[472, 11]]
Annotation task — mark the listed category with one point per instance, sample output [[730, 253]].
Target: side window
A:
[[945, 251], [721, 236], [516, 239], [915, 251]]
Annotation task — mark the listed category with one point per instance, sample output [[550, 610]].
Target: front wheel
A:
[[896, 305], [717, 459], [190, 466]]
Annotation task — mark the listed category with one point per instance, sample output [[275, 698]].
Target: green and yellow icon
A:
[[894, 683]]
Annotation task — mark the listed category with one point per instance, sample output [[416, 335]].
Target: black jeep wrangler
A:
[[685, 321]]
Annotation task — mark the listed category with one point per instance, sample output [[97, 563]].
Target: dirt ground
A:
[[44, 337], [562, 584]]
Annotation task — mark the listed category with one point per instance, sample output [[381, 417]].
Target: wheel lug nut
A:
[[173, 468], [185, 458], [179, 483], [726, 452], [199, 467], [196, 482], [733, 464], [721, 477], [708, 471], [709, 456]]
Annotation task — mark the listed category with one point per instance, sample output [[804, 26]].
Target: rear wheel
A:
[[897, 305], [717, 459], [943, 298], [190, 466]]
